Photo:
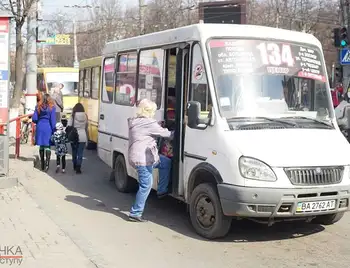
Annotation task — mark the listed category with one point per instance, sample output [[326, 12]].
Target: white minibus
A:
[[256, 136]]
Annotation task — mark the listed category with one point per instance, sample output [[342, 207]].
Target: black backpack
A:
[[72, 132]]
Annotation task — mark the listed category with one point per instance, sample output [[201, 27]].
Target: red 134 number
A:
[[271, 54]]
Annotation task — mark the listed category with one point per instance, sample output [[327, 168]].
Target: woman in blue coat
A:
[[45, 118]]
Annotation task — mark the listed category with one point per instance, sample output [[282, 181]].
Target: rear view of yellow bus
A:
[[89, 89], [68, 77]]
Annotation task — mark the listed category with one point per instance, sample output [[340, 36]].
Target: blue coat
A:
[[45, 125]]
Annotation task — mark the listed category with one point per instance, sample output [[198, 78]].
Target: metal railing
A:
[[18, 120]]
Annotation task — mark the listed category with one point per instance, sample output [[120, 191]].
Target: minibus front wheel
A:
[[206, 213]]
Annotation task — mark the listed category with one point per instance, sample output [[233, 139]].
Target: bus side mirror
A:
[[194, 112]]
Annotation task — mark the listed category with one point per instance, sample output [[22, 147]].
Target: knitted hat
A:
[[59, 126]]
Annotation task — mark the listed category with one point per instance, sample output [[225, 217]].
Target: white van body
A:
[[299, 164]]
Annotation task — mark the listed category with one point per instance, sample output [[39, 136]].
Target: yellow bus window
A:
[[81, 83], [95, 82], [87, 83]]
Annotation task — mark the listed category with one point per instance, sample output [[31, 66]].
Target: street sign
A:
[[62, 39], [5, 29], [345, 56], [58, 39]]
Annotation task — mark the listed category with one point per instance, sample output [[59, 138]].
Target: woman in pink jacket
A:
[[143, 155]]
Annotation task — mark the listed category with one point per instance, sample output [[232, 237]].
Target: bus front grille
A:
[[315, 176]]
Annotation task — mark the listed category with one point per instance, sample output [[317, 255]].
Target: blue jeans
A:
[[77, 153], [146, 182]]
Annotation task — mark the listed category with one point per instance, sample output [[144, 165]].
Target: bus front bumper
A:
[[251, 202]]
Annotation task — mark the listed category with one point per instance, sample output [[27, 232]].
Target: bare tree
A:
[[112, 22], [311, 16], [60, 55], [169, 14], [105, 23], [20, 11], [59, 23]]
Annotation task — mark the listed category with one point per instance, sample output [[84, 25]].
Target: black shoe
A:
[[74, 167], [137, 219], [78, 169], [161, 196]]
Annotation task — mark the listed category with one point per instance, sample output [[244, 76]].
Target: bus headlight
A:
[[255, 169]]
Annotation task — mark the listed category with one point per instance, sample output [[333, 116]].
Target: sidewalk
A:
[[27, 232]]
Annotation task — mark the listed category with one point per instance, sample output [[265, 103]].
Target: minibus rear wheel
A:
[[206, 213], [123, 182], [328, 219]]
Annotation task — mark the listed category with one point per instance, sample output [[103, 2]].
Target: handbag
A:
[[72, 132]]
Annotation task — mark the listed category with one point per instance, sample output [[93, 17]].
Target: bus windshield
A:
[[68, 80], [255, 78]]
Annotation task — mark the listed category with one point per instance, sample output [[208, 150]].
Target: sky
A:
[[52, 6]]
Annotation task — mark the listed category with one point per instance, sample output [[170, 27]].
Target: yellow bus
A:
[[89, 92], [67, 76]]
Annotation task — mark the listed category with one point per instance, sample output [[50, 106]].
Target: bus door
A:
[[196, 154], [181, 64], [106, 109]]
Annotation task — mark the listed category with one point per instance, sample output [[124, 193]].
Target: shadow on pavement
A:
[[101, 195], [22, 158]]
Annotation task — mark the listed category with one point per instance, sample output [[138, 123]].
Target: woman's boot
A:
[[48, 158], [78, 169], [42, 159]]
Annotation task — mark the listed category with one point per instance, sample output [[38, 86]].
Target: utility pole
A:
[[345, 21], [31, 60], [43, 55], [76, 63], [141, 17], [333, 75]]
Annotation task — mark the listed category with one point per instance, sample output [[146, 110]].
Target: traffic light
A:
[[339, 73], [343, 37], [336, 37]]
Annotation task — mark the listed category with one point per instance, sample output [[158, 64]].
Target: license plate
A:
[[315, 206]]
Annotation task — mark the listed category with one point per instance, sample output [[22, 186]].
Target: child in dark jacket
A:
[[60, 140]]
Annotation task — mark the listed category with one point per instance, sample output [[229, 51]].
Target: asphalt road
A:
[[93, 214]]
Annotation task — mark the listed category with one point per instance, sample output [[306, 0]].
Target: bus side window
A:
[[95, 82], [81, 83], [87, 83], [151, 75], [126, 79], [199, 90], [108, 80]]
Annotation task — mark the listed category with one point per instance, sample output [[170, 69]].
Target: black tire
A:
[[90, 145], [328, 219], [207, 192], [123, 182]]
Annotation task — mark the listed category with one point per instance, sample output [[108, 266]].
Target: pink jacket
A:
[[143, 150]]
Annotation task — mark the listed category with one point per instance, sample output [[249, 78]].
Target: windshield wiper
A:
[[312, 119], [274, 120]]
